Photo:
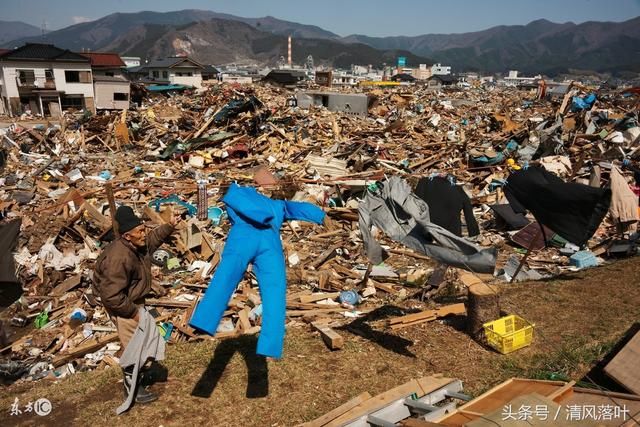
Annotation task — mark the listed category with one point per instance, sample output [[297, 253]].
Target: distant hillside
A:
[[11, 30], [98, 34], [540, 46], [220, 41]]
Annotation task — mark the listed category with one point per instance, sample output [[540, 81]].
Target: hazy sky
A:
[[344, 17]]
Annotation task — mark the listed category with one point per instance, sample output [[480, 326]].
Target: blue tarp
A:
[[166, 88], [578, 103]]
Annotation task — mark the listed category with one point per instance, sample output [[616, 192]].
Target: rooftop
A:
[[42, 52], [170, 62], [104, 59], [118, 79]]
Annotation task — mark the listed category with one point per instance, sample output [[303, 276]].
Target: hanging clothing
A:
[[404, 217], [254, 238], [10, 286], [505, 216], [624, 202], [446, 200], [574, 211], [145, 344]]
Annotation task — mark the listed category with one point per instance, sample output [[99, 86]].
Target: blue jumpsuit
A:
[[254, 238]]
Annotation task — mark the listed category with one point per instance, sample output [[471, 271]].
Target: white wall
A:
[[3, 90], [10, 88], [195, 80], [226, 78], [85, 89], [439, 69], [130, 61], [104, 95], [117, 72]]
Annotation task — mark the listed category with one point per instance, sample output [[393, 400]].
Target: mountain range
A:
[[538, 47], [11, 30]]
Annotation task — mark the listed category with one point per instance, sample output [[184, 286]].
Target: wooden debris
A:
[[426, 316], [332, 339], [340, 410]]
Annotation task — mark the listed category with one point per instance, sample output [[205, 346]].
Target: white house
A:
[[110, 87], [45, 80], [175, 70], [131, 61], [513, 79], [440, 70]]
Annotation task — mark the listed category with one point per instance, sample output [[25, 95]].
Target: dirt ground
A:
[[578, 319]]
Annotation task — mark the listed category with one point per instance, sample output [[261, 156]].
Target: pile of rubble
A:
[[57, 178]]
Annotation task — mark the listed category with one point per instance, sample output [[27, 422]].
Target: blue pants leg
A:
[[237, 253], [269, 267]]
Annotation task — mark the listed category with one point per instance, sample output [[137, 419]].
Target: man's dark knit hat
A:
[[127, 219]]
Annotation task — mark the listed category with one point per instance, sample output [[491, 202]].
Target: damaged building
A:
[[349, 103], [110, 86], [45, 80]]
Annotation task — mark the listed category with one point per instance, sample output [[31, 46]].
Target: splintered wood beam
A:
[[112, 209], [89, 347], [425, 316], [331, 338], [332, 415]]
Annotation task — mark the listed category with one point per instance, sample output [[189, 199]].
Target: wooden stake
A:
[[112, 209], [531, 243]]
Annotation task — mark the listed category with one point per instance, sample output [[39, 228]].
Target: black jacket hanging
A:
[[574, 211], [445, 202]]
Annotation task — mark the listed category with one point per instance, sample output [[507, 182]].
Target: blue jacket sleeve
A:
[[303, 211], [246, 204]]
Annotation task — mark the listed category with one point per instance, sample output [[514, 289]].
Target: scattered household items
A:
[[418, 189]]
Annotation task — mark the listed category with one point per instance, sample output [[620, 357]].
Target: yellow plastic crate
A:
[[508, 333]]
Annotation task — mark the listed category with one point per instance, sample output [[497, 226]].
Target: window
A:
[[156, 74], [120, 96], [72, 76], [26, 77], [190, 74], [109, 74], [72, 102], [178, 74], [165, 74], [48, 75]]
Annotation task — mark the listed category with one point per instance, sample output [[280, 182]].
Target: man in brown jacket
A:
[[122, 279]]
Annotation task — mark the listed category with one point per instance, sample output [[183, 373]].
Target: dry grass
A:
[[577, 318]]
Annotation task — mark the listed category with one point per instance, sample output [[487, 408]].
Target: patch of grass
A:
[[570, 360]]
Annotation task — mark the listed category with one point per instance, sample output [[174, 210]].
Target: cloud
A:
[[80, 19]]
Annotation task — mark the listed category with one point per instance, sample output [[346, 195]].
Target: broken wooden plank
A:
[[426, 316], [621, 368], [325, 256], [80, 351], [153, 215], [243, 317], [298, 313], [67, 285], [332, 415], [331, 338], [377, 402], [103, 221], [167, 303], [305, 299]]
